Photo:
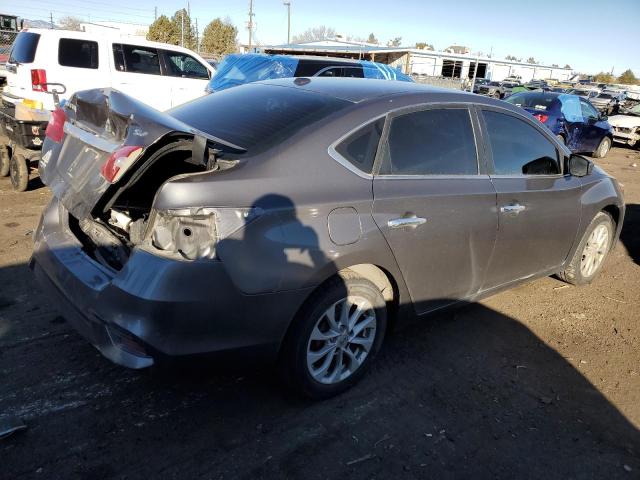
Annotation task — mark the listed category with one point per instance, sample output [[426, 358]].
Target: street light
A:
[[288, 5]]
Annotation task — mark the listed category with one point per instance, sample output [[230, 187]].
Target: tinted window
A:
[[538, 100], [77, 53], [134, 59], [518, 148], [431, 142], [256, 116], [24, 47], [360, 147], [185, 66]]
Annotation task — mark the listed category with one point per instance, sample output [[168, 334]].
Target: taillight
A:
[[39, 80], [541, 116], [55, 127], [119, 162]]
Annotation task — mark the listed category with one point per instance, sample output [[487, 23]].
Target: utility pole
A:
[[250, 23], [51, 18], [288, 5], [197, 37], [182, 23], [155, 13]]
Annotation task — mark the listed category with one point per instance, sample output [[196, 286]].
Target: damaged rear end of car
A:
[[105, 158]]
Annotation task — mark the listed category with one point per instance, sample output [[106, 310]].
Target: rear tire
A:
[[591, 252], [319, 327], [603, 148], [19, 170], [5, 156]]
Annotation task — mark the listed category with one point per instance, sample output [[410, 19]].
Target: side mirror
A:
[[580, 166], [603, 117]]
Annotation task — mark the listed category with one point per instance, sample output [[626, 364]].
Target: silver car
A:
[[292, 220]]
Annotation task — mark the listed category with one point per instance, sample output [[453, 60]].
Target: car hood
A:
[[625, 121]]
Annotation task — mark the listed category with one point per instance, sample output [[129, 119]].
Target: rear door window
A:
[[519, 148], [24, 47], [360, 148], [78, 53], [135, 59], [431, 142], [185, 66], [588, 110]]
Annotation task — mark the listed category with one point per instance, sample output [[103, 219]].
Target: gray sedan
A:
[[293, 220]]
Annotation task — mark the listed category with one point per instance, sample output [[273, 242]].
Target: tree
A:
[[314, 34], [182, 25], [163, 30], [513, 58], [219, 37], [555, 65], [531, 60], [603, 77], [395, 42], [372, 39], [424, 46], [567, 66], [628, 78], [70, 23]]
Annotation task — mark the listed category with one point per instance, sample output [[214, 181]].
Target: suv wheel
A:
[[4, 160], [19, 171], [591, 252], [335, 337], [603, 148]]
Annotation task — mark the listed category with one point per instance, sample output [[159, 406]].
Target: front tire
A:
[[603, 148], [19, 170], [591, 252], [335, 337]]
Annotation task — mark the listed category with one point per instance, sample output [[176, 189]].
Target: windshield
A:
[[634, 111], [256, 116], [534, 100], [494, 84], [605, 95], [24, 47]]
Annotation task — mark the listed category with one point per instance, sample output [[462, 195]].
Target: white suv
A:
[[158, 74]]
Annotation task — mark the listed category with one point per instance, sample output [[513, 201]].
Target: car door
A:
[[592, 131], [137, 71], [435, 204], [538, 206], [188, 76]]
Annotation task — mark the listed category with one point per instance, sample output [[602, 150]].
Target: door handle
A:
[[515, 208], [412, 222]]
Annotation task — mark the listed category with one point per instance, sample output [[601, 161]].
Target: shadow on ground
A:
[[630, 235], [470, 393]]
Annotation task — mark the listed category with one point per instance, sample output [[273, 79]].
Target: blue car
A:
[[237, 69], [571, 118]]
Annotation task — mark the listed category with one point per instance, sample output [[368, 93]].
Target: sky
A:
[[589, 35]]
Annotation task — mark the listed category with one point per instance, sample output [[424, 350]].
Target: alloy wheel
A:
[[341, 340], [594, 251]]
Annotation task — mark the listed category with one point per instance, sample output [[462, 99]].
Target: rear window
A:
[[78, 53], [24, 47], [256, 116], [536, 101], [360, 148]]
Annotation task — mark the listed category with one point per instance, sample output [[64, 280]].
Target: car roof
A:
[[361, 89], [115, 36]]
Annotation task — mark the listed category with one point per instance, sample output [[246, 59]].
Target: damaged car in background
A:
[[291, 220], [626, 127]]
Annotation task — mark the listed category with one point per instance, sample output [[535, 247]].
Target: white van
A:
[[160, 75]]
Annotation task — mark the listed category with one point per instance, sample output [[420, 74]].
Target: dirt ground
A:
[[542, 381]]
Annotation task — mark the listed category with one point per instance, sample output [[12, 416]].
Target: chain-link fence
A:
[[6, 40]]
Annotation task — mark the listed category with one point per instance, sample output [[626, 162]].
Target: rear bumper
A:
[[154, 306]]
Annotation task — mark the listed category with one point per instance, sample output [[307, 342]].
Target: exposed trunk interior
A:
[[120, 219]]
